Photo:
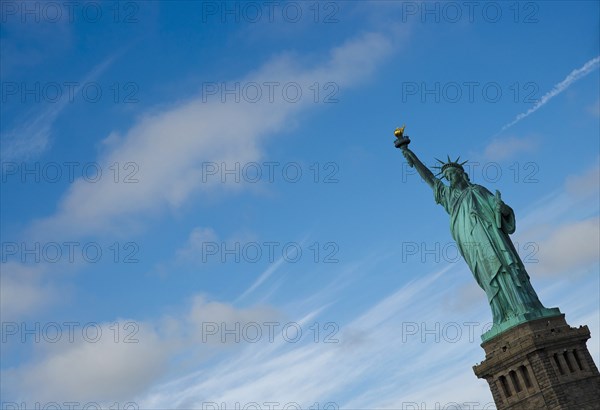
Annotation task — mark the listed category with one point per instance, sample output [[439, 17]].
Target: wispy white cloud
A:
[[25, 290], [577, 195], [553, 238], [32, 137], [407, 348], [273, 267], [569, 248], [586, 184], [170, 147], [374, 343], [594, 109], [500, 149], [196, 244], [125, 357], [81, 370], [573, 76]]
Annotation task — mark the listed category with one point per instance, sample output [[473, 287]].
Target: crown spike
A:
[[449, 164]]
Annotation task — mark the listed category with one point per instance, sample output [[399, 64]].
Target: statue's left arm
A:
[[506, 216]]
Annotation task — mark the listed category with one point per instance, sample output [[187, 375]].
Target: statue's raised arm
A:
[[412, 159]]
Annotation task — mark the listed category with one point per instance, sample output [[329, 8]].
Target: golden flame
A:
[[399, 133]]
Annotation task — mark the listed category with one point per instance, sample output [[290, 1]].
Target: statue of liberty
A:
[[481, 223]]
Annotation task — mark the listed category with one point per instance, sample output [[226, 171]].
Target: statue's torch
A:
[[401, 140]]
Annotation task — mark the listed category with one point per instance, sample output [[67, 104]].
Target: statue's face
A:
[[455, 176]]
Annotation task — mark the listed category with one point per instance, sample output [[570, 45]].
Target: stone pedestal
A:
[[541, 364]]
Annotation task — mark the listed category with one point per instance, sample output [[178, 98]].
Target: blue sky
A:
[[174, 171]]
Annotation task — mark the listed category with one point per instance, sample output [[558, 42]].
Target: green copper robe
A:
[[488, 250]]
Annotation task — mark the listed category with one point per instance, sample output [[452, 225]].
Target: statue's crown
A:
[[450, 164]]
